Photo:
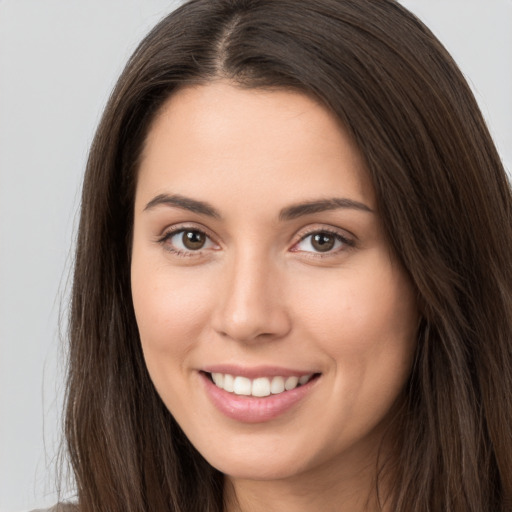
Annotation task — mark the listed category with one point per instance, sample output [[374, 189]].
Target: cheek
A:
[[171, 311], [365, 320], [367, 327]]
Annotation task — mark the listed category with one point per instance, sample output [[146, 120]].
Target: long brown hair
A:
[[444, 200]]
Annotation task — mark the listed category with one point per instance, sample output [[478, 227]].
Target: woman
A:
[[292, 287]]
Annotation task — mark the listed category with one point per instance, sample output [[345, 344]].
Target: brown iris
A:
[[193, 240], [323, 242]]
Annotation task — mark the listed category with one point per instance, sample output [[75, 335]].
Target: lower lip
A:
[[251, 409]]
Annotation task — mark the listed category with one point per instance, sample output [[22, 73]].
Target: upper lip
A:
[[254, 372]]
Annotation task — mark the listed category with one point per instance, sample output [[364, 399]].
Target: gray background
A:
[[58, 62]]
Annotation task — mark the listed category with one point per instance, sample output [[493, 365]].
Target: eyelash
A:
[[174, 231], [347, 243]]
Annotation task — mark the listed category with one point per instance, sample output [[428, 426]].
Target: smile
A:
[[252, 398], [259, 387]]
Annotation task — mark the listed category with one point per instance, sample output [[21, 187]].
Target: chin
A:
[[254, 462], [260, 470]]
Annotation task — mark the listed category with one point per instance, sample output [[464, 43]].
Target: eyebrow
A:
[[185, 203], [289, 213], [322, 205]]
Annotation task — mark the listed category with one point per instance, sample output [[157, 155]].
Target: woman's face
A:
[[260, 262]]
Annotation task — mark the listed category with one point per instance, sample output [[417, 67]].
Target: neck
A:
[[359, 480], [329, 490]]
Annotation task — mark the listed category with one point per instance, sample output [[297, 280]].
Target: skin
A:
[[259, 293]]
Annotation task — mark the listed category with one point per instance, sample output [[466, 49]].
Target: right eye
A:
[[186, 241]]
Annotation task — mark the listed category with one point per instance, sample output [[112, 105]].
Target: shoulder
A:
[[60, 507]]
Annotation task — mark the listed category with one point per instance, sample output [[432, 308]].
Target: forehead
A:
[[211, 137]]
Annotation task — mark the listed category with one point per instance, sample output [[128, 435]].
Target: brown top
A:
[[60, 507]]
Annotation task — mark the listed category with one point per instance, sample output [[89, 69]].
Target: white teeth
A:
[[242, 386], [218, 378], [277, 385], [260, 387], [228, 383], [291, 383], [304, 379]]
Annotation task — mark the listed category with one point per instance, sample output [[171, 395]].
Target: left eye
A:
[[187, 240], [321, 241]]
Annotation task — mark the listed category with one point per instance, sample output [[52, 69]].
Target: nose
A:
[[251, 304]]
